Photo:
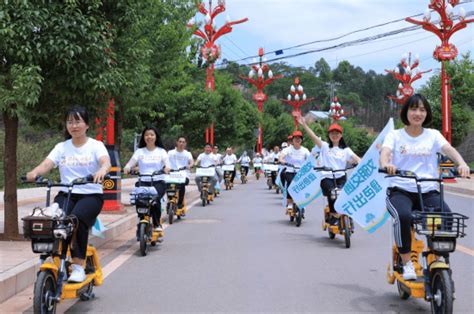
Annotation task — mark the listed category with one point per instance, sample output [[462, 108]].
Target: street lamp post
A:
[[296, 98], [446, 51], [259, 70], [409, 73], [335, 110], [210, 51]]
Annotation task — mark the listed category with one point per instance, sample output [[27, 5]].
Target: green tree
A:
[[462, 97], [52, 55]]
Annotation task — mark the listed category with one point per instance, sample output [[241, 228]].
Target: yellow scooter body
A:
[[73, 290], [181, 211]]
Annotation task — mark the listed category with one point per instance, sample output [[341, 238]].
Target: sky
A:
[[278, 24]]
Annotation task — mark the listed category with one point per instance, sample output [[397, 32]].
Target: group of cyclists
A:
[[413, 147]]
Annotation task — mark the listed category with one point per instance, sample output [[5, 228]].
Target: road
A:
[[241, 254]]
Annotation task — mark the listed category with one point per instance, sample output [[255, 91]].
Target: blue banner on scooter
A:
[[98, 229]]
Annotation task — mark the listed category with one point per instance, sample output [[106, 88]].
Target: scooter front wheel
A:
[[442, 289], [143, 235], [171, 211], [44, 292]]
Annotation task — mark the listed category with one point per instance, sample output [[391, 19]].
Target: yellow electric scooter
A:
[[434, 275], [144, 198], [50, 236]]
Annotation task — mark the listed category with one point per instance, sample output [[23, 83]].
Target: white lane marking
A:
[[465, 249]]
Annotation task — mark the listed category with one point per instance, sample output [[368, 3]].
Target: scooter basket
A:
[[440, 225], [38, 227]]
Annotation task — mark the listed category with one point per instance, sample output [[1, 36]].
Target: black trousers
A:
[[288, 178], [283, 178], [86, 207], [246, 168], [182, 190], [327, 185], [400, 204]]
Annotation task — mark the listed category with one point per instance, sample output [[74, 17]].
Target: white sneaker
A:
[[158, 228], [78, 274], [409, 271]]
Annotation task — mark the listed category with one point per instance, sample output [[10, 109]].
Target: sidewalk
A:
[[462, 186], [18, 264]]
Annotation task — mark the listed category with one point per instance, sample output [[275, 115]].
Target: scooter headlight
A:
[[43, 247], [334, 194], [443, 246], [142, 210]]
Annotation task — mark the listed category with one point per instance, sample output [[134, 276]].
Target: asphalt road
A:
[[241, 254]]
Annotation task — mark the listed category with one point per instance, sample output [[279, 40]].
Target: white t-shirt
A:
[[244, 160], [149, 161], [417, 154], [296, 157], [257, 160], [78, 162], [229, 159], [207, 160], [335, 158], [179, 159], [219, 159]]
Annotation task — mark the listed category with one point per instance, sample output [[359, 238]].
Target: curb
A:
[[23, 275]]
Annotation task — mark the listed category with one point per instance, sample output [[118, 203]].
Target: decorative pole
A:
[[446, 51], [210, 51], [296, 98], [260, 69], [335, 110], [407, 76]]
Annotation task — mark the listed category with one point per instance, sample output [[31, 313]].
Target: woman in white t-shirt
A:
[[78, 157], [335, 155], [293, 156], [414, 148], [151, 156]]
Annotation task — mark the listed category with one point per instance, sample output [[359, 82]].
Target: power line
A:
[[334, 38], [230, 40], [351, 43]]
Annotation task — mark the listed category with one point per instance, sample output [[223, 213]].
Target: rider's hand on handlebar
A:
[[126, 170], [166, 170], [99, 175], [31, 176], [463, 170], [391, 169]]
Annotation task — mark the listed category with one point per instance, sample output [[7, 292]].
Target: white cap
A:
[[284, 145]]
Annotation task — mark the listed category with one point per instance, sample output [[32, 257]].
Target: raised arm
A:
[[316, 140]]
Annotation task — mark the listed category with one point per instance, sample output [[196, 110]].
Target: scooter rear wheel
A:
[[347, 231], [143, 236], [331, 234], [298, 217], [44, 291], [404, 295]]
